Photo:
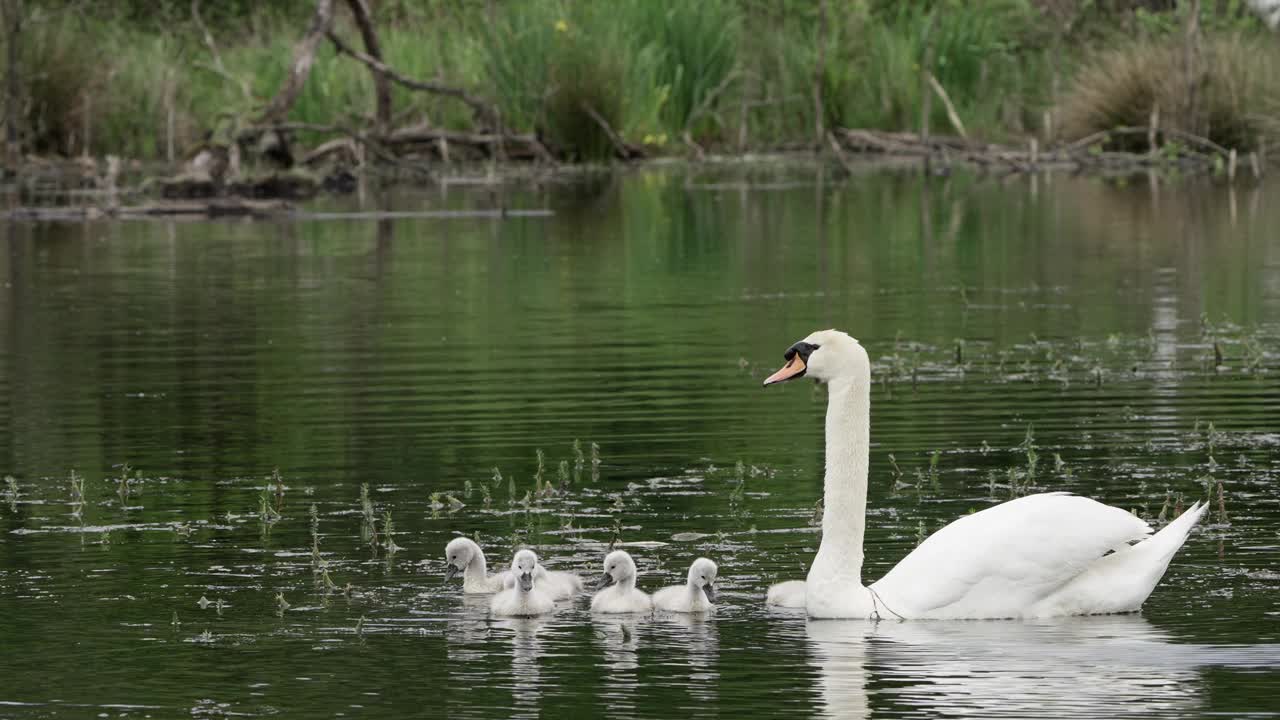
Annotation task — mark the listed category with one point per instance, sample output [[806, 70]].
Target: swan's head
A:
[[825, 355], [702, 574], [458, 554], [618, 567], [522, 567]]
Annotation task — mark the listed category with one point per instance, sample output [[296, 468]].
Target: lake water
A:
[[1028, 334]]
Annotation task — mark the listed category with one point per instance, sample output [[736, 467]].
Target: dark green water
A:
[[1071, 318]]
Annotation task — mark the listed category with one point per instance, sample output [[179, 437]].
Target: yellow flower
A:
[[562, 26]]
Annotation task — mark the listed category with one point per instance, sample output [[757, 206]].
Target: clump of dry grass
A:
[[1230, 100]]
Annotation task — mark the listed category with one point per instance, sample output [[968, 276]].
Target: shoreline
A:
[[82, 189]]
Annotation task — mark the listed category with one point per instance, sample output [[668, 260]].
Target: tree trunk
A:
[[382, 85], [13, 94], [304, 56], [819, 129]]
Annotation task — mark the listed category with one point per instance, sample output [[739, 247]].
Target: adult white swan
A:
[[1037, 556]]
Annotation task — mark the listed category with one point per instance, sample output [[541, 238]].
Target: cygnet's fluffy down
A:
[[617, 587], [788, 594], [464, 556], [522, 597], [561, 585], [696, 595]]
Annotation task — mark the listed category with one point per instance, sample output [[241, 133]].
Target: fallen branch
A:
[[619, 146], [304, 56], [492, 143], [952, 115], [483, 109], [839, 153], [1197, 140]]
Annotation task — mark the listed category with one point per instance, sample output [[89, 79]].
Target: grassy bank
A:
[[662, 74]]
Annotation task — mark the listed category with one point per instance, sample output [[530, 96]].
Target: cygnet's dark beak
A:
[[605, 581], [710, 591], [451, 572], [526, 581]]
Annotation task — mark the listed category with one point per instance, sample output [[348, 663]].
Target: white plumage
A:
[[1037, 556], [522, 597], [618, 593], [465, 556], [698, 594]]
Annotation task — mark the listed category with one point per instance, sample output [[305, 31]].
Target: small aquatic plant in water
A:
[[315, 539], [281, 604], [267, 515], [122, 483], [541, 471], [738, 493], [562, 474], [77, 486], [595, 462], [276, 483], [388, 530], [366, 505], [11, 492]]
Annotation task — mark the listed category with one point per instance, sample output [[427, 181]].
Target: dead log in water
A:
[[194, 209], [1193, 153]]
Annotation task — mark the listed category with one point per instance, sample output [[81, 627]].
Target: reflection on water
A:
[[1028, 334], [526, 681], [697, 633], [618, 640], [1074, 667]]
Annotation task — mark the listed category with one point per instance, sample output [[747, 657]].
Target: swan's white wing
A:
[[999, 562]]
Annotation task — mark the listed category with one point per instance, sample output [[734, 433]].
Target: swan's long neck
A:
[[844, 514], [627, 583], [478, 568]]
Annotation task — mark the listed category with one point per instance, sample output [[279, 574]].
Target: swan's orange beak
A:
[[792, 370]]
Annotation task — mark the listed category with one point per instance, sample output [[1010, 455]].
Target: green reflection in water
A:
[[415, 355]]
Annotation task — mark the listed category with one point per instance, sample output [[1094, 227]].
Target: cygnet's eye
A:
[[704, 577]]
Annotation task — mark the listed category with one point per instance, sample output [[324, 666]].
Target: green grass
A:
[[722, 70], [977, 57]]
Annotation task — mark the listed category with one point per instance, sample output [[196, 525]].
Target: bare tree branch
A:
[[218, 67], [479, 106], [304, 55]]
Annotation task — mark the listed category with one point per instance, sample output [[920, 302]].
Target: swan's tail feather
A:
[[1171, 537], [1123, 580], [789, 594]]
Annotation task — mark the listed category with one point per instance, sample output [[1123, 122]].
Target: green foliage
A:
[[977, 57], [125, 78], [692, 48], [552, 70]]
